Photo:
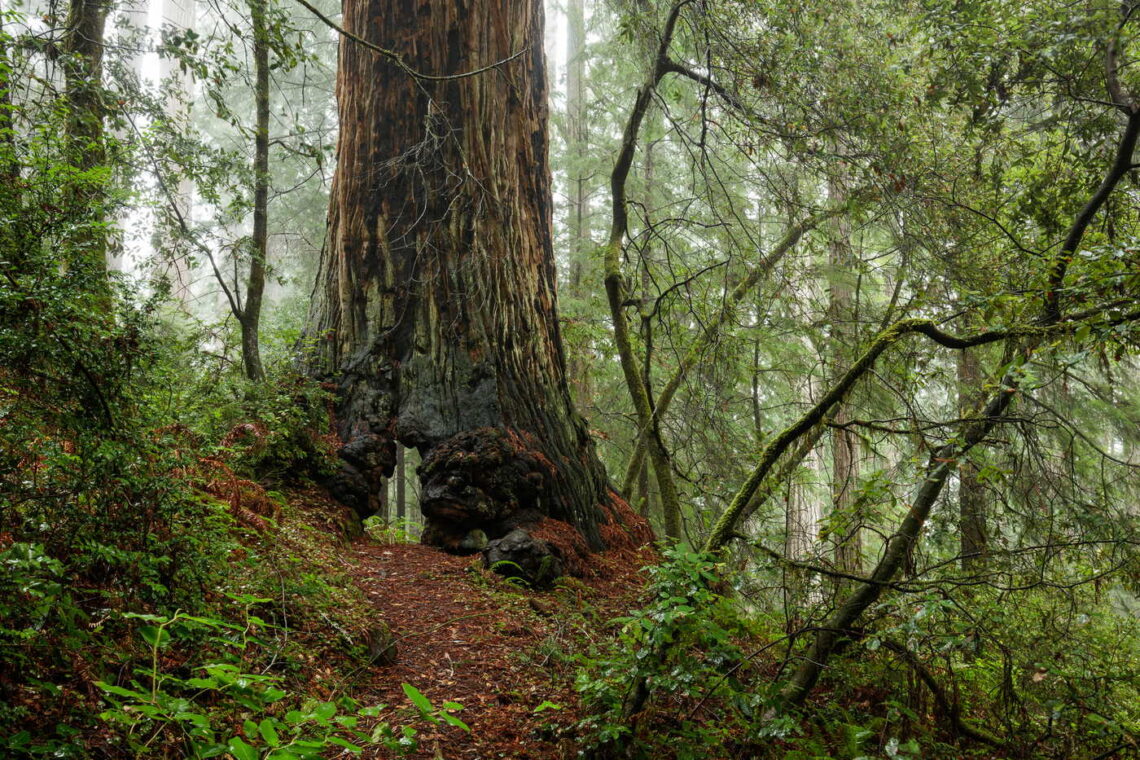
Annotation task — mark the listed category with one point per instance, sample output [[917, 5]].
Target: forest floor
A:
[[505, 654]]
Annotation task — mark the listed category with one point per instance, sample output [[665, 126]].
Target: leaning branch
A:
[[725, 527], [615, 285], [945, 459]]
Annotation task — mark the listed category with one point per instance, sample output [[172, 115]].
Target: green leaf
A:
[[202, 683], [155, 636], [324, 711], [191, 717], [240, 750], [546, 705], [271, 695], [451, 719], [120, 691], [418, 699], [268, 732], [347, 745]]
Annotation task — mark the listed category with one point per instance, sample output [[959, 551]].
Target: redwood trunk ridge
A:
[[435, 300]]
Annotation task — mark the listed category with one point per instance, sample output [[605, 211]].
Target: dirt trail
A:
[[468, 637]]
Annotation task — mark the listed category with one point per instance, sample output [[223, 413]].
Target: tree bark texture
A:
[[435, 300]]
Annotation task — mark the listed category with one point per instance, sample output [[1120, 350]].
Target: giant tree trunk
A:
[[435, 301]]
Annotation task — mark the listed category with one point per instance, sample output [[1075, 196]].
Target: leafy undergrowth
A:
[[91, 672]]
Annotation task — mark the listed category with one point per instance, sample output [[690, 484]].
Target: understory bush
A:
[[132, 489], [945, 673]]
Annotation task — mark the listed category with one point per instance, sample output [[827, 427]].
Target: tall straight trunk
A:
[[250, 317], [644, 502], [435, 304], [180, 14], [9, 166], [577, 133], [577, 136], [384, 501], [844, 444], [83, 93], [670, 508], [971, 495], [401, 486]]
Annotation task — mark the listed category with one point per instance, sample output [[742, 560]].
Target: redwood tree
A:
[[435, 301]]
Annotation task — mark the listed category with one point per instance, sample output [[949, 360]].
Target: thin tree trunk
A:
[[615, 283], [577, 133], [844, 444], [181, 14], [83, 75], [645, 503], [971, 495], [250, 318], [382, 500], [401, 486], [670, 508], [577, 136]]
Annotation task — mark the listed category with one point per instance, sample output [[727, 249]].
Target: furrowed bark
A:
[[435, 308]]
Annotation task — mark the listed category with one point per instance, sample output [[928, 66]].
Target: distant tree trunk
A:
[[9, 166], [181, 14], [844, 444], [577, 136], [644, 501], [83, 93], [401, 486], [971, 495], [250, 317], [435, 304], [383, 508]]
